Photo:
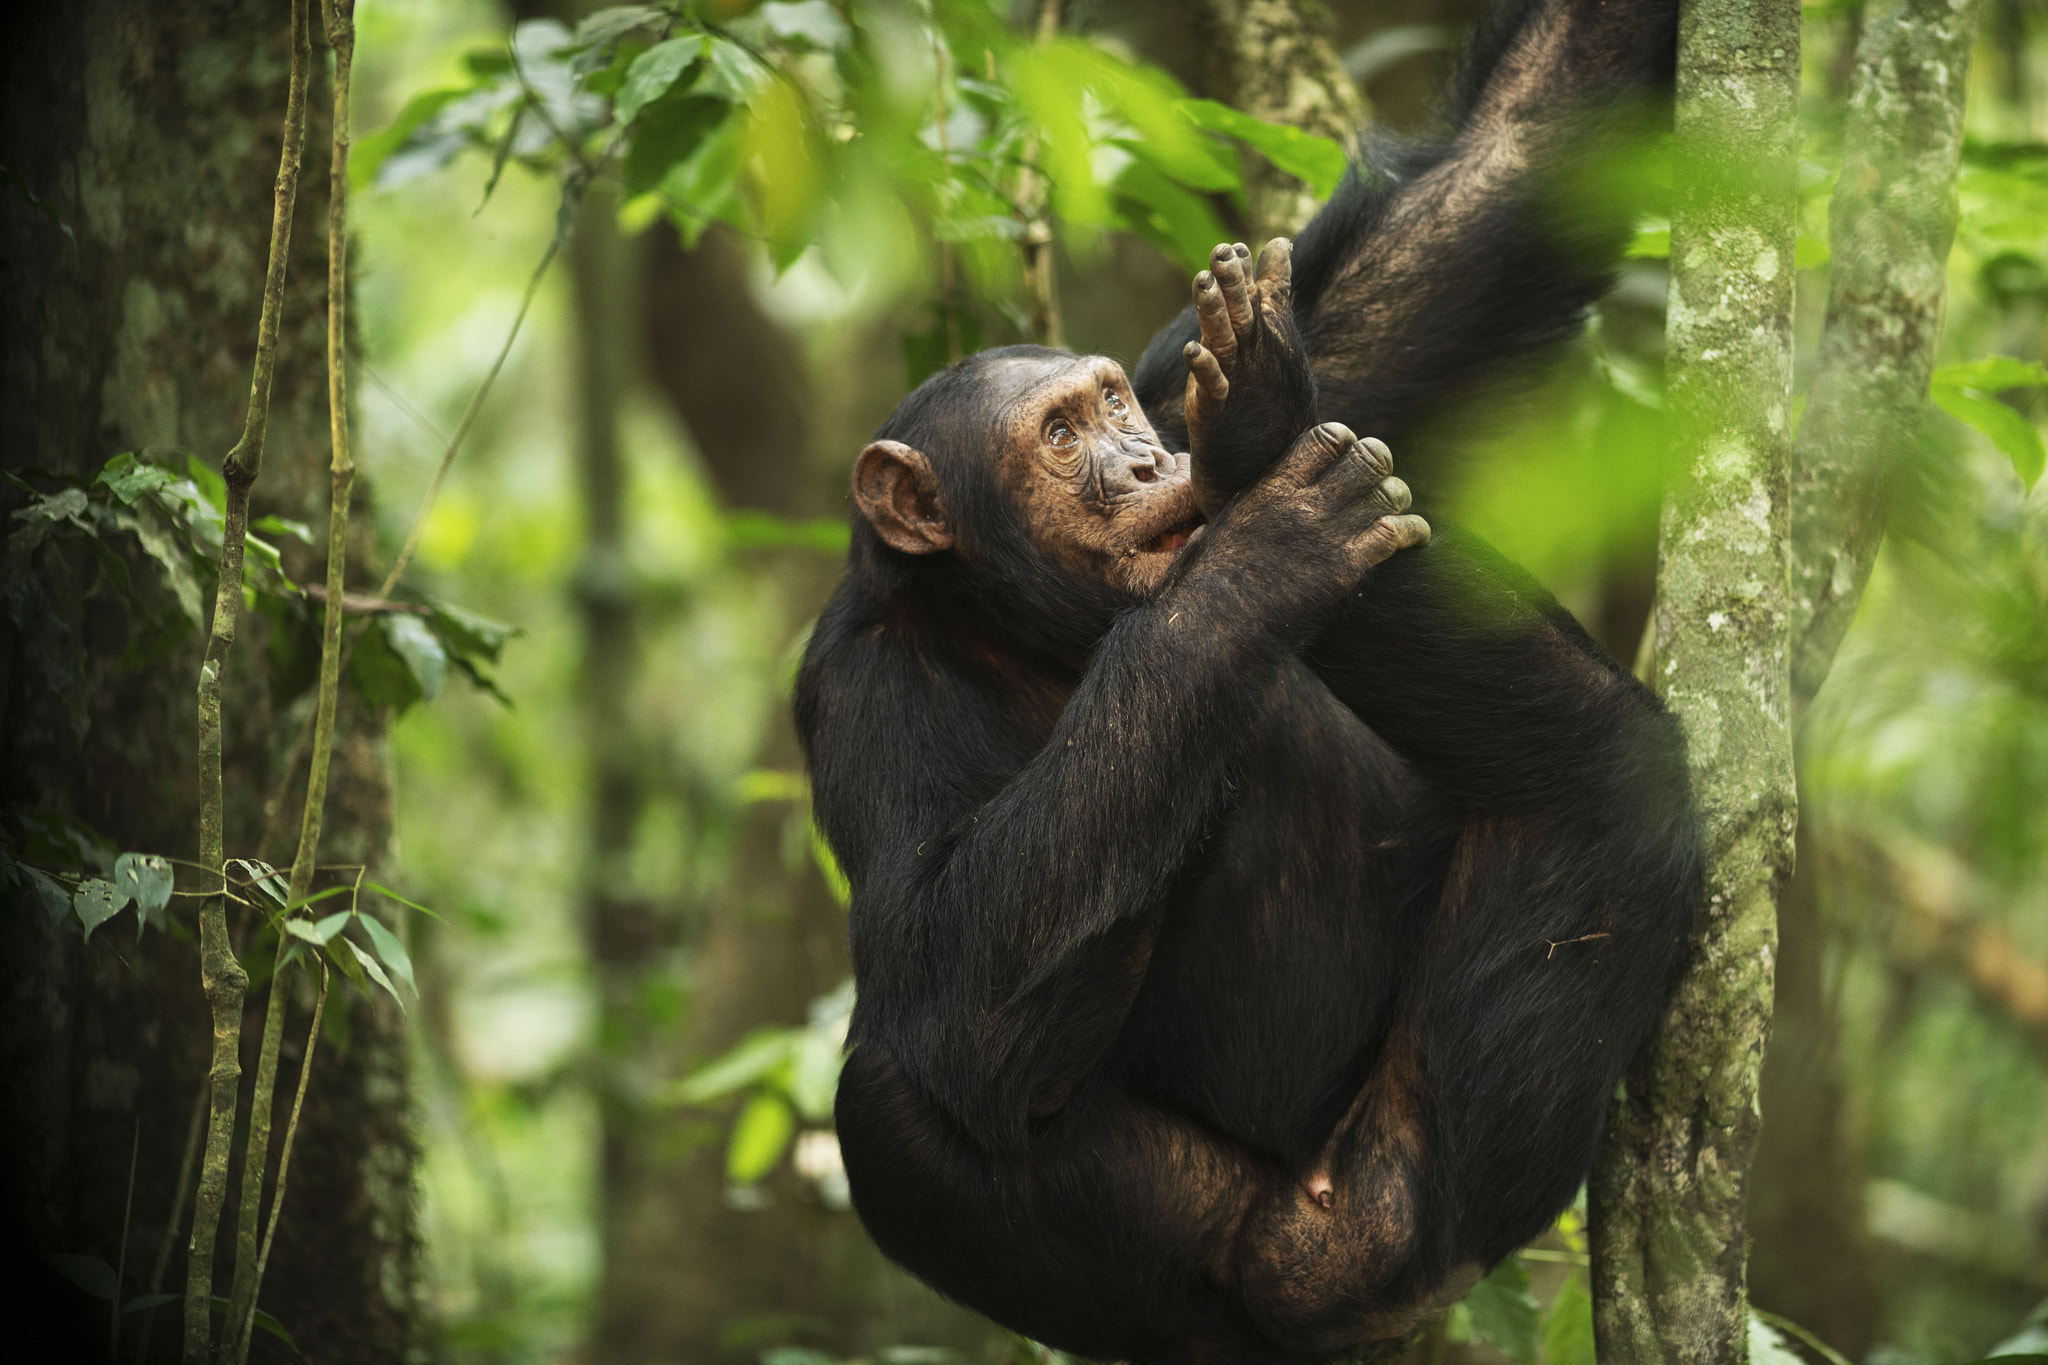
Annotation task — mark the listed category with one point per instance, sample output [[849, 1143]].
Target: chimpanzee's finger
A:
[[1275, 274], [1314, 452], [1379, 541], [1207, 372], [1214, 315], [1390, 496], [1232, 278]]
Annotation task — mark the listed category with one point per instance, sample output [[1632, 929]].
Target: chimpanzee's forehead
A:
[[1022, 380]]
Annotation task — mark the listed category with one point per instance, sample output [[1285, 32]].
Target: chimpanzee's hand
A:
[[1249, 387], [1300, 538]]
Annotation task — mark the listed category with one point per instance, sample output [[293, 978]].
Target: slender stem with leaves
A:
[[221, 976], [339, 22]]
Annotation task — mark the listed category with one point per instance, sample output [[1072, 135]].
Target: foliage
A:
[[804, 127]]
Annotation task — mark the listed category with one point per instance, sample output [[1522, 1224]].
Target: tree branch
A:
[[1891, 225], [1669, 1190], [221, 976]]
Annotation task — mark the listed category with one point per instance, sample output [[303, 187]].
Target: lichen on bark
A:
[[1668, 1193]]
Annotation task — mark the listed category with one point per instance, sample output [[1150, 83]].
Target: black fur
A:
[[1162, 909]]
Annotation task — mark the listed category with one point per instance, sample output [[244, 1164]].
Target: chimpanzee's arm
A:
[[1006, 900], [1436, 264]]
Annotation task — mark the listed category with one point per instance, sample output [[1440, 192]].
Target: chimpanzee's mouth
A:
[[1174, 540]]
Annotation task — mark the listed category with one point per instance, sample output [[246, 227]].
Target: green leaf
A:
[[391, 950], [1316, 160], [369, 964], [89, 1273], [213, 489], [1568, 1325], [756, 1055], [318, 931], [263, 877], [654, 71], [769, 784], [66, 504], [1994, 373], [388, 894], [1808, 252], [814, 1074], [148, 880], [414, 642], [284, 526], [702, 188], [128, 478], [464, 634], [95, 902], [368, 155], [56, 900], [734, 73], [760, 1135], [1178, 222], [2016, 437], [1503, 1313], [668, 132]]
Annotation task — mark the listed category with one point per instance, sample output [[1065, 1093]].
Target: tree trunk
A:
[[1669, 1192], [128, 324], [1273, 60]]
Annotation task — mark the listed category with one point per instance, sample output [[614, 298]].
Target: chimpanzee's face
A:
[[1094, 487]]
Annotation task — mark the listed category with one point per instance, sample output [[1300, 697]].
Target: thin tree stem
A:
[[221, 976], [1669, 1191], [284, 1162], [339, 17], [1891, 223]]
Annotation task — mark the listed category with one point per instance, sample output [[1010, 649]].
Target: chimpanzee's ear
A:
[[898, 493]]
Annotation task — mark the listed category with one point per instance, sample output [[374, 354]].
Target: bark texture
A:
[[1273, 60], [152, 133], [1892, 222], [1669, 1191]]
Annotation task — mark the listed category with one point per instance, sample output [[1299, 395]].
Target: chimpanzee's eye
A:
[[1117, 407], [1060, 434]]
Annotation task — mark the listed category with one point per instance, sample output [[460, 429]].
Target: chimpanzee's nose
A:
[[1146, 463]]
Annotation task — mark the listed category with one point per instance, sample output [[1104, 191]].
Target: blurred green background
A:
[[654, 496]]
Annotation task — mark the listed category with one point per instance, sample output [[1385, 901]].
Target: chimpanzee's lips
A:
[[1171, 541]]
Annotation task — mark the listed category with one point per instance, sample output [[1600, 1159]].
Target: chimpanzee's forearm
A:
[[1018, 928], [1468, 668]]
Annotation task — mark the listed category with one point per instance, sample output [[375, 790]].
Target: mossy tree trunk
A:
[[151, 132], [1668, 1196]]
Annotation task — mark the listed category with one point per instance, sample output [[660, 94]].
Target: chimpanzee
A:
[[1256, 897]]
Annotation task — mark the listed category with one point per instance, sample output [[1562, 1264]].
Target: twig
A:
[[221, 977], [284, 1159], [1783, 1324], [339, 23], [1555, 944]]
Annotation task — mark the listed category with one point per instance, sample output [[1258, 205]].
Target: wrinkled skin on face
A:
[[1092, 485], [1096, 490]]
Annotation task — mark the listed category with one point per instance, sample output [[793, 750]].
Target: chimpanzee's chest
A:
[[1285, 941]]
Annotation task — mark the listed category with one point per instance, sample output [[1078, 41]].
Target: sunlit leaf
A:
[[1177, 221], [391, 950], [829, 869], [128, 478], [1767, 1347], [790, 188], [388, 894], [318, 931], [262, 876], [369, 964], [367, 155], [1993, 373], [654, 71], [814, 1073], [769, 784], [2016, 438], [95, 902], [760, 1135], [814, 22], [1649, 244], [756, 1056], [1315, 160], [148, 880]]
